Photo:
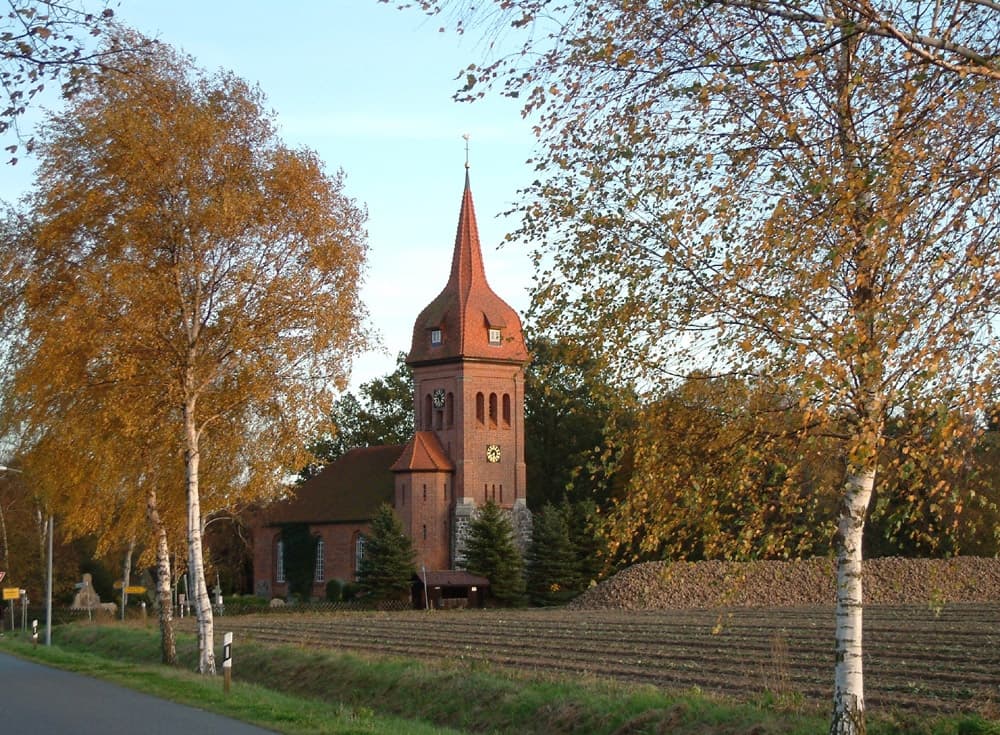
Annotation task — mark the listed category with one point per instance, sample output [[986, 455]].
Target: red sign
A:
[[2, 575]]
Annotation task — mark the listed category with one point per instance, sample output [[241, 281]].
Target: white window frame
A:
[[320, 573], [279, 562], [494, 336], [359, 552]]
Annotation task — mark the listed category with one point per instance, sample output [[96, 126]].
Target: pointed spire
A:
[[467, 268], [458, 323]]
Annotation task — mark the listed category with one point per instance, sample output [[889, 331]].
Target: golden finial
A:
[[466, 136]]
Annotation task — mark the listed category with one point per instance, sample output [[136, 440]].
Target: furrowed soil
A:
[[932, 632]]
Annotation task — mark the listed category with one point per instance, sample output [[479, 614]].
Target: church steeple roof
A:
[[467, 320]]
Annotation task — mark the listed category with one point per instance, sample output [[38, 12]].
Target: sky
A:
[[369, 88]]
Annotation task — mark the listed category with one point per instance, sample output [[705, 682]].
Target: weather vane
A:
[[466, 136]]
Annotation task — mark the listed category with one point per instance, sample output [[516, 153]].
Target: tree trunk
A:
[[42, 522], [196, 562], [6, 546], [848, 696], [168, 646], [127, 574]]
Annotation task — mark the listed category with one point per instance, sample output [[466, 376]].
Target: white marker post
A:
[[34, 631], [227, 661]]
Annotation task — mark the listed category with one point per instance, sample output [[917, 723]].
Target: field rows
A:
[[945, 660]]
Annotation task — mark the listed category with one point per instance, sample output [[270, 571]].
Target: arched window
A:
[[320, 571], [425, 492], [428, 412], [279, 562], [449, 410], [501, 495], [506, 410], [359, 551], [425, 532], [480, 408], [493, 409]]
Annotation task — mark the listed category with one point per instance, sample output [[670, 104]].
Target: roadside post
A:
[[227, 661], [34, 632]]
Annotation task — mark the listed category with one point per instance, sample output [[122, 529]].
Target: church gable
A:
[[423, 453]]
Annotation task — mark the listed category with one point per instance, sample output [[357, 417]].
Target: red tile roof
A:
[[467, 307], [423, 453], [347, 490]]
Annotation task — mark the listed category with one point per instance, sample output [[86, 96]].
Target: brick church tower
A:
[[468, 357]]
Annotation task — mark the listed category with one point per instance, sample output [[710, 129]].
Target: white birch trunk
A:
[[196, 560], [6, 546], [849, 698], [127, 574], [168, 647]]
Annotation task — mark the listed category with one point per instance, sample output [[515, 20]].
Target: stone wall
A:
[[467, 511]]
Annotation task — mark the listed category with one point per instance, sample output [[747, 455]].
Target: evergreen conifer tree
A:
[[553, 566], [490, 552], [589, 544], [300, 558], [387, 567]]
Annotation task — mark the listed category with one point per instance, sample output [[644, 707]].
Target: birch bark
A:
[[196, 560], [848, 698], [168, 646]]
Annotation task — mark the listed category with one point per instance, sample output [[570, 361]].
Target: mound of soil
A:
[[707, 584]]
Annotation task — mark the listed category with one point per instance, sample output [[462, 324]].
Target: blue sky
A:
[[369, 88]]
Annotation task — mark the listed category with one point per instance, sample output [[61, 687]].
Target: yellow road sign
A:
[[11, 593], [135, 589]]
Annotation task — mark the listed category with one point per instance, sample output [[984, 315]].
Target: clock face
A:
[[438, 396], [493, 453]]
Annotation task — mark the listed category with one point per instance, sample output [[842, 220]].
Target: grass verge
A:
[[297, 690], [251, 703]]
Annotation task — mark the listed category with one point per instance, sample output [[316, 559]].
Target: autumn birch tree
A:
[[799, 193], [195, 270]]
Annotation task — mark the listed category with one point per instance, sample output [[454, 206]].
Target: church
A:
[[468, 358]]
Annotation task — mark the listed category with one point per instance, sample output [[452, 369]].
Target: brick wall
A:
[[339, 563]]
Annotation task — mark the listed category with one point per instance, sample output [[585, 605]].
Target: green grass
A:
[[297, 690], [248, 702]]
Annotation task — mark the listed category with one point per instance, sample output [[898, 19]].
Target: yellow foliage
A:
[[189, 297]]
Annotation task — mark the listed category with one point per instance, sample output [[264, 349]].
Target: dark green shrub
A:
[[334, 590]]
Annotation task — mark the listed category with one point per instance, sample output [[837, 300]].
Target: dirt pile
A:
[[890, 581]]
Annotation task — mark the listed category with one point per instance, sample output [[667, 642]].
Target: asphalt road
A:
[[39, 700]]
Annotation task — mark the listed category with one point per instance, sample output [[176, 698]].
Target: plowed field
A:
[[944, 660]]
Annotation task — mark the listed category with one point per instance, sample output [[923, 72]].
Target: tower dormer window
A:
[[494, 336], [435, 336]]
